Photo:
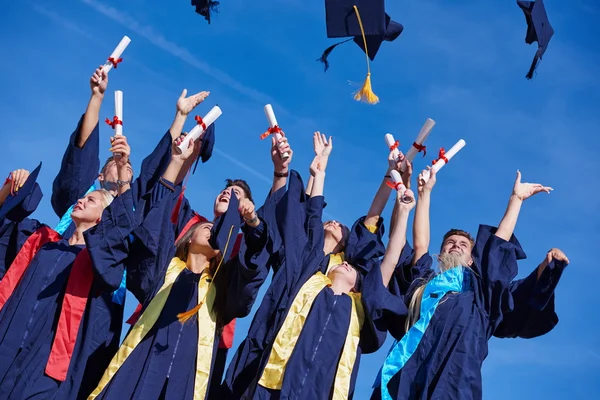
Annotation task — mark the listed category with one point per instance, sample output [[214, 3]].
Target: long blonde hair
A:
[[105, 197], [445, 262]]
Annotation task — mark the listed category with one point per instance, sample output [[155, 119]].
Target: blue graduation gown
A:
[[29, 318], [301, 229], [447, 362], [163, 365], [15, 227]]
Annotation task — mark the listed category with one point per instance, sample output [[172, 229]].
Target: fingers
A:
[[330, 143], [518, 180], [183, 94]]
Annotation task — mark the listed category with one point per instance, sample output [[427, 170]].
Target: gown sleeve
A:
[[534, 313], [383, 309], [108, 243], [267, 212], [248, 271], [153, 242], [495, 260], [78, 171]]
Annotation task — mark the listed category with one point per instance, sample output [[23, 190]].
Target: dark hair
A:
[[220, 280], [242, 184], [458, 232], [108, 161]]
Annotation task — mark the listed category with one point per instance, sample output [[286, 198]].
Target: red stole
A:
[[74, 302]]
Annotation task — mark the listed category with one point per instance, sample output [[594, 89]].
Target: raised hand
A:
[[99, 81], [321, 145], [186, 105], [423, 186], [317, 166], [193, 147], [277, 149], [17, 180], [553, 254], [405, 199], [120, 148], [247, 212], [524, 190]]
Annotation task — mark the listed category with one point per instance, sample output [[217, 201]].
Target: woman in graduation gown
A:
[[189, 291], [58, 324], [452, 314]]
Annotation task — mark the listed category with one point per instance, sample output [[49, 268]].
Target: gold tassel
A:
[[185, 316], [366, 92]]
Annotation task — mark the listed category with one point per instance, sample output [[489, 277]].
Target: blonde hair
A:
[[105, 197], [445, 262]]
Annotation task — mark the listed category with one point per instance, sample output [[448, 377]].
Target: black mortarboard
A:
[[207, 145], [538, 29], [204, 7], [226, 227], [14, 200], [366, 22]]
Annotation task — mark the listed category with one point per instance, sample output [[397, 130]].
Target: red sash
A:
[[74, 302]]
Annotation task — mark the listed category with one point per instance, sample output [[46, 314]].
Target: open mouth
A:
[[223, 199], [77, 208]]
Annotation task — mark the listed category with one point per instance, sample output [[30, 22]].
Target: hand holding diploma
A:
[[99, 82], [443, 158], [393, 145], [198, 130], [274, 129], [403, 194]]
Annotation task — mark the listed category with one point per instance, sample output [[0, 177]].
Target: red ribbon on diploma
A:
[[115, 121], [441, 156], [271, 131], [200, 121], [114, 62], [393, 185], [395, 145], [421, 148]]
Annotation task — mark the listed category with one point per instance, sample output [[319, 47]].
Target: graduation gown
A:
[[448, 359], [163, 364], [313, 363], [29, 319]]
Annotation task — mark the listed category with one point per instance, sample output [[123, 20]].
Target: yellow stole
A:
[[206, 330], [272, 376]]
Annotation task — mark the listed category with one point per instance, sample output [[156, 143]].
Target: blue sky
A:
[[462, 63]]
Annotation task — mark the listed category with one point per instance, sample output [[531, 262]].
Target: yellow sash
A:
[[206, 331], [272, 376]]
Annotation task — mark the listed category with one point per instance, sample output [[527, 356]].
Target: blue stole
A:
[[453, 280], [118, 295]]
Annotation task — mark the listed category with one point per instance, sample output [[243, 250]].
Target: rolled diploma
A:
[[421, 138], [396, 178], [389, 140], [116, 53], [119, 111], [197, 131], [440, 163], [273, 123]]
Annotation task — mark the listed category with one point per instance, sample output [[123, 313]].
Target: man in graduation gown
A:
[[441, 345]]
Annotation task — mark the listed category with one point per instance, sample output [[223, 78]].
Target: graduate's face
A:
[[109, 176], [459, 245], [88, 209], [199, 242], [222, 200], [345, 274], [336, 230]]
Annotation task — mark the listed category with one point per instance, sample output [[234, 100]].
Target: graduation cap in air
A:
[[9, 207], [538, 29], [367, 24], [204, 7]]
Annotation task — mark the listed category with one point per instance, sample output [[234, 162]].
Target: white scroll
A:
[[273, 123], [390, 142], [198, 130], [118, 112], [449, 154], [421, 138], [397, 180], [116, 54]]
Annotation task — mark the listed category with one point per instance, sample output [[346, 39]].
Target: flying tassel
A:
[[185, 316], [534, 66], [365, 93], [205, 10], [328, 51]]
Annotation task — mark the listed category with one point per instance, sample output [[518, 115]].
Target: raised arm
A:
[[80, 163], [280, 166], [421, 225], [322, 150], [521, 191], [405, 202]]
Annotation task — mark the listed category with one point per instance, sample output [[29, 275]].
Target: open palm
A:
[[186, 105], [524, 190]]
